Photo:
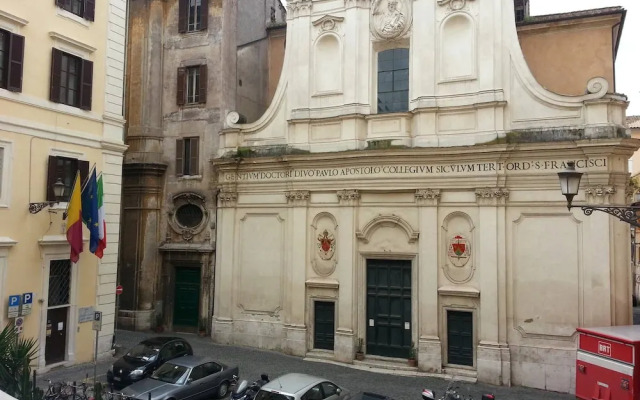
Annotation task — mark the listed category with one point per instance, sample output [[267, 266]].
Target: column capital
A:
[[297, 197], [599, 194], [492, 196], [348, 196], [227, 198], [427, 197]]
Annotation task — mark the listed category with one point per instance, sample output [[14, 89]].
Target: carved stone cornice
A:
[[599, 194], [227, 198], [348, 196], [298, 197], [427, 197], [492, 196]]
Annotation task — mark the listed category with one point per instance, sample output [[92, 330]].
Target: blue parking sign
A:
[[14, 306], [27, 302], [14, 300]]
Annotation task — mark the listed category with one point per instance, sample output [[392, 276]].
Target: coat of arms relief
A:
[[457, 235], [323, 244], [390, 19]]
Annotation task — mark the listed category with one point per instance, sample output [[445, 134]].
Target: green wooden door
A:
[[460, 337], [389, 308], [187, 297], [324, 325]]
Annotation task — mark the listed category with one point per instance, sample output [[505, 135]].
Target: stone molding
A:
[[454, 5], [599, 194], [299, 8], [187, 233], [492, 196], [357, 3], [427, 197], [348, 196], [298, 197]]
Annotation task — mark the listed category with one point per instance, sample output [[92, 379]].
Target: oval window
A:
[[189, 215]]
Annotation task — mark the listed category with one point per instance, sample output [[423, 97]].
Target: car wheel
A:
[[223, 390]]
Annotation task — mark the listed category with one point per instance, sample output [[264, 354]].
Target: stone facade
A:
[[169, 212], [448, 212]]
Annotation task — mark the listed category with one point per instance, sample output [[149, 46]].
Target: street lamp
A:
[[58, 192], [570, 184]]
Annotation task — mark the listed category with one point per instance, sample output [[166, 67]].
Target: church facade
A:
[[400, 196]]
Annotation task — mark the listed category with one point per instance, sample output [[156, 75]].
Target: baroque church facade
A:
[[400, 195]]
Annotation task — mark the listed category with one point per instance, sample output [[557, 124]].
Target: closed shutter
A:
[[183, 7], [202, 90], [89, 9], [193, 162], [52, 175], [204, 14], [16, 58], [86, 85], [179, 157], [181, 86], [56, 61]]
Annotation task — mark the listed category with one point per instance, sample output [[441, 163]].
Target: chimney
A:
[[521, 9]]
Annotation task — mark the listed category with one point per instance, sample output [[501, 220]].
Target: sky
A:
[[628, 60]]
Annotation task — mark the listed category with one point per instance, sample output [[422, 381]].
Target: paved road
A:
[[252, 362]]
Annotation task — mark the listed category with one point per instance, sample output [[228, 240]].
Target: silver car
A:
[[301, 387], [189, 377]]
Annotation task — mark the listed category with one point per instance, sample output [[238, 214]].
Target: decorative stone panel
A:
[[390, 19], [453, 5], [458, 263], [324, 257], [188, 215]]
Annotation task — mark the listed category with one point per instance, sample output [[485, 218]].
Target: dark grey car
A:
[[188, 377]]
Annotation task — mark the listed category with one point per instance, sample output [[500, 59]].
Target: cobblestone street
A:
[[252, 362]]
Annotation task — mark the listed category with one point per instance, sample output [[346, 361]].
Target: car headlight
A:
[[137, 373]]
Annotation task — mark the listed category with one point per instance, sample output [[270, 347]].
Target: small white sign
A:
[[60, 326], [371, 322], [407, 325]]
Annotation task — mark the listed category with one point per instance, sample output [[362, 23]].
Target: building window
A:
[[65, 169], [192, 15], [11, 60], [81, 8], [187, 156], [393, 81], [71, 80], [192, 85], [59, 283]]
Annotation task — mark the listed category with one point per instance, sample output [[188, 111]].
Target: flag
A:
[[90, 210], [74, 220], [102, 224]]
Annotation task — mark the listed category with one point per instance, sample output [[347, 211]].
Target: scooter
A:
[[247, 391], [451, 393]]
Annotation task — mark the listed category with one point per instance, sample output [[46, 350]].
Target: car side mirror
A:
[[338, 390], [189, 380]]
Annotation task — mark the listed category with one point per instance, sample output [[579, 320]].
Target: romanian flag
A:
[[74, 220], [102, 224]]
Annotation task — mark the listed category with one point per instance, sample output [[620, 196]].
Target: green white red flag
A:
[[102, 224]]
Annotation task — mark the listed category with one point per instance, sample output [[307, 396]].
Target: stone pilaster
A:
[[490, 357], [346, 271], [295, 328], [429, 345]]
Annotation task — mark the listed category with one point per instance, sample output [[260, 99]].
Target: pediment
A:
[[328, 22]]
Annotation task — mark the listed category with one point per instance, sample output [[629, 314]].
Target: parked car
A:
[[144, 358], [370, 396], [189, 377], [302, 386]]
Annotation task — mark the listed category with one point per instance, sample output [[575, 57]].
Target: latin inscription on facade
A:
[[412, 170]]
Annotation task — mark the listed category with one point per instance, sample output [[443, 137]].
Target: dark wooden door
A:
[[187, 297], [324, 325], [389, 308], [460, 337], [55, 348]]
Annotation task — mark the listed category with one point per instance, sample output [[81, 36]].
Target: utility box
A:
[[608, 363]]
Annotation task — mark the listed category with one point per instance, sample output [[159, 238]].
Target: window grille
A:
[[59, 282]]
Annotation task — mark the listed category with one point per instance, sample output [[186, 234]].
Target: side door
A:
[[330, 391], [315, 393], [193, 387]]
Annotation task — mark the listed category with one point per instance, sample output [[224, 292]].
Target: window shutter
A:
[[204, 14], [86, 85], [51, 178], [16, 58], [202, 90], [183, 7], [193, 163], [83, 166], [182, 84], [89, 9], [179, 157], [56, 61], [59, 3]]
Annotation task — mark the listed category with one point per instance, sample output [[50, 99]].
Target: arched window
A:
[[393, 80]]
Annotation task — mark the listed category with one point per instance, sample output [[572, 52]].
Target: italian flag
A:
[[102, 224]]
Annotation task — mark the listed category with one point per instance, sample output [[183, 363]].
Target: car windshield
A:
[[143, 352], [171, 373], [266, 395]]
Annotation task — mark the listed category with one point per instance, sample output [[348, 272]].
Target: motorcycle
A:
[[451, 393], [247, 391]]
